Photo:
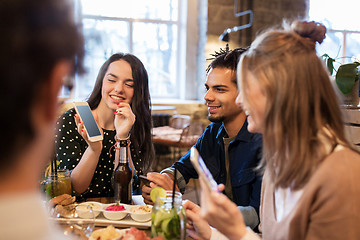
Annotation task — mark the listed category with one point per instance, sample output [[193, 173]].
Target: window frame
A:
[[186, 74]]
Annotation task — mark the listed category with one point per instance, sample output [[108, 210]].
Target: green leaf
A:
[[330, 64], [346, 76]]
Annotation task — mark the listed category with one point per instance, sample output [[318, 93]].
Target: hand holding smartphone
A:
[[145, 180], [202, 170], [92, 129]]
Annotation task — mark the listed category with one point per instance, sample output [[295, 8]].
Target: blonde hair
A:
[[301, 102]]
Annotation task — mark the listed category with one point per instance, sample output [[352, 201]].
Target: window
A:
[[343, 35], [154, 31]]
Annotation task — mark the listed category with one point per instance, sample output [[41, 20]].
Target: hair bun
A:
[[313, 30]]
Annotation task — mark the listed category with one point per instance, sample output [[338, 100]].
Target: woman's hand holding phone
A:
[[124, 120], [220, 212], [95, 146]]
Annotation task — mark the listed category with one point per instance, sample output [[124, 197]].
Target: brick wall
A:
[[266, 13]]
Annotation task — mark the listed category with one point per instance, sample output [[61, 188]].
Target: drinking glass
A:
[[58, 183], [76, 227], [168, 217]]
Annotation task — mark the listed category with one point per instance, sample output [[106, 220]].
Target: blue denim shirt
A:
[[244, 156]]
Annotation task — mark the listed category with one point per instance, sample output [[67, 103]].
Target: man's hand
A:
[[164, 180]]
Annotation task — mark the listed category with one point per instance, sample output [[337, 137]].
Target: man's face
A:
[[221, 95]]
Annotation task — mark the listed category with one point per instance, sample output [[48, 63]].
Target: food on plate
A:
[[64, 205], [140, 209], [136, 234], [115, 207], [109, 233], [84, 206], [66, 211], [115, 211], [88, 209], [63, 199], [67, 201]]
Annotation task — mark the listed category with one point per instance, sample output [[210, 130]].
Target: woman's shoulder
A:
[[340, 168], [67, 116]]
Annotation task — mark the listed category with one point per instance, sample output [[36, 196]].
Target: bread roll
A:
[[56, 200], [67, 201]]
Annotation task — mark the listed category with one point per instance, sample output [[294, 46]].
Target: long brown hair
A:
[[301, 102], [140, 104]]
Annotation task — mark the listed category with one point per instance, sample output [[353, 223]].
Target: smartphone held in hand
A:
[[92, 129], [202, 170], [145, 180]]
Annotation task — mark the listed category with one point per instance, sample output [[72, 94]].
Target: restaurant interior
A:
[[199, 28], [186, 33]]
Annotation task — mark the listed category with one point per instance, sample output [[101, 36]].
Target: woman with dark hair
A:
[[120, 102]]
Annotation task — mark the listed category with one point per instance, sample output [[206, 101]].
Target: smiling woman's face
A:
[[253, 102], [118, 84]]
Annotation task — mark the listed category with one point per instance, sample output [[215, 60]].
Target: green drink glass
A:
[[58, 183], [168, 219]]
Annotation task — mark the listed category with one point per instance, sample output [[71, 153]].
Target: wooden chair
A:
[[181, 134]]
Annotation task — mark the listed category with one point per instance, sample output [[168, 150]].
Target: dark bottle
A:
[[122, 174]]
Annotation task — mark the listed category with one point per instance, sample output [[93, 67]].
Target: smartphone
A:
[[145, 180], [92, 129], [202, 170]]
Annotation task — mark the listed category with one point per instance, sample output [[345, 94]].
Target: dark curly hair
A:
[[225, 58]]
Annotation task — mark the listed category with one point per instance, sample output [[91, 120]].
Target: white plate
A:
[[121, 231], [102, 221]]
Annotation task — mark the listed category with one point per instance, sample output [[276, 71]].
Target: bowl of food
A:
[[84, 209], [115, 211], [140, 213]]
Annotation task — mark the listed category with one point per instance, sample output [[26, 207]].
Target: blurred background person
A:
[[40, 45], [120, 102], [310, 185]]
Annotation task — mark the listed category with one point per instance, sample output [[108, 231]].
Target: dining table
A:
[[121, 224]]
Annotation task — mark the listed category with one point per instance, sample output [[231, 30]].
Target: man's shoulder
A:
[[247, 136], [214, 128]]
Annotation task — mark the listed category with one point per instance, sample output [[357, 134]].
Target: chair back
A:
[[179, 121]]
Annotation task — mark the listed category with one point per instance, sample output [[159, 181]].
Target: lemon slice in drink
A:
[[157, 192]]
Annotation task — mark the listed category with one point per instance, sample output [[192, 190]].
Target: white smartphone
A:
[[92, 129], [202, 170]]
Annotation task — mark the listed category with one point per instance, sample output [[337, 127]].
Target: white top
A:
[[24, 216], [250, 235], [285, 200]]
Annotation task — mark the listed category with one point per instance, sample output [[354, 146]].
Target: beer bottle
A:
[[122, 173]]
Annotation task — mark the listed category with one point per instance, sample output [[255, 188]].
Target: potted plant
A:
[[346, 78]]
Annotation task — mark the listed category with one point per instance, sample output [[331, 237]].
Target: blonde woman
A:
[[311, 173]]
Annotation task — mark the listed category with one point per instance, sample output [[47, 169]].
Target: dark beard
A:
[[216, 119]]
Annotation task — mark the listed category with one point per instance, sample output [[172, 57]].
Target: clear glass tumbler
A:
[[168, 218], [58, 183], [79, 228]]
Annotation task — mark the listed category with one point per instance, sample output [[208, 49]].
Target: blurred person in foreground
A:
[[311, 181], [229, 150], [40, 45]]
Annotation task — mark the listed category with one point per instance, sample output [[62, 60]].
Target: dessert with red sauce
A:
[[115, 207], [115, 211]]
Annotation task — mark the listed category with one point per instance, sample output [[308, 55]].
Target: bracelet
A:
[[122, 142]]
